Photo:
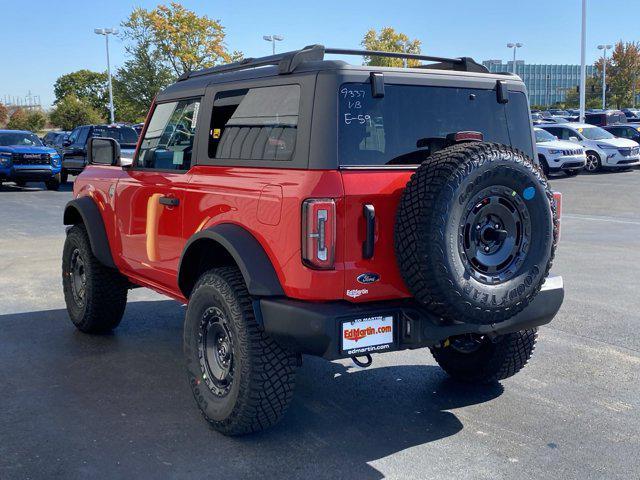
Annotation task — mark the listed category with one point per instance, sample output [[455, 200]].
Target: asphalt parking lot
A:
[[118, 406]]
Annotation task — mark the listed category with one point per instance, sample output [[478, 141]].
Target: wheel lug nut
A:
[[486, 249], [497, 225]]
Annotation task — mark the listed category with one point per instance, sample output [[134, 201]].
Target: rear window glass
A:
[[255, 124], [121, 134], [411, 122]]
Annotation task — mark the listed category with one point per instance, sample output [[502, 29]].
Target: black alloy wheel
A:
[[495, 234]]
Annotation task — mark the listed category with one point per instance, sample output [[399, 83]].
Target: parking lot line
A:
[[578, 216]]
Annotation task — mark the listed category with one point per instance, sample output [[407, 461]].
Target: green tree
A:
[[22, 119], [622, 71], [36, 120], [593, 95], [85, 85], [4, 114], [183, 40], [18, 120], [390, 41], [144, 73], [71, 111]]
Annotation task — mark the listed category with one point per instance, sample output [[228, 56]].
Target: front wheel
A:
[[593, 162], [481, 359], [544, 165], [53, 183], [95, 295], [241, 379]]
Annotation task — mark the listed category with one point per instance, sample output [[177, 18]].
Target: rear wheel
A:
[[95, 295], [480, 359], [593, 162], [241, 379]]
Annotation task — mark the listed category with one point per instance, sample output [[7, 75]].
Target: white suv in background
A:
[[603, 149], [558, 155]]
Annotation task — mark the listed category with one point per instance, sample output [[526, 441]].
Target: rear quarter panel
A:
[[250, 197]]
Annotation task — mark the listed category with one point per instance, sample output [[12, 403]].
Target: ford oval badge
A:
[[368, 278]]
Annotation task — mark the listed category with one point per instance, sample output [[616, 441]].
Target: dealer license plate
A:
[[366, 335]]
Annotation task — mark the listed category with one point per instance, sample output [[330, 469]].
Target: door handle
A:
[[169, 201], [370, 235]]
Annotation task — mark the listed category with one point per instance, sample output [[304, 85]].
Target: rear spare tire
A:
[[476, 232]]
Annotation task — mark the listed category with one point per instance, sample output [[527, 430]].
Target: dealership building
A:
[[546, 84]]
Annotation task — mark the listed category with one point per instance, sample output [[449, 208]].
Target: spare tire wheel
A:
[[476, 232]]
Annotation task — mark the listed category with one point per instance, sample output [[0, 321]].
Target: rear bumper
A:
[[315, 328]]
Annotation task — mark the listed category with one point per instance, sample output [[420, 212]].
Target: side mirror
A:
[[574, 139], [103, 151]]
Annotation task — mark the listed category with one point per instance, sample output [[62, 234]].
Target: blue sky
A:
[[48, 39]]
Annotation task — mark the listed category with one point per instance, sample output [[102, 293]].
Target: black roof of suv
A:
[[322, 79]]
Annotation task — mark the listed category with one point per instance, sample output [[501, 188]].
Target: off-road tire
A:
[[263, 372], [53, 183], [428, 240], [64, 176], [105, 290], [495, 360]]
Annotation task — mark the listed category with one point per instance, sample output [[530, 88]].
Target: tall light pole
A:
[[515, 46], [106, 32], [273, 39], [604, 49], [583, 65]]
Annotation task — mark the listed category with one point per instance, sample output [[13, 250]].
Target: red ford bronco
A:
[[300, 205]]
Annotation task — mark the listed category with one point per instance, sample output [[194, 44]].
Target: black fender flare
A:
[[245, 250], [84, 210]]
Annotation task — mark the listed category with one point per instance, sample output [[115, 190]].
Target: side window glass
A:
[[73, 136], [555, 131], [255, 124], [168, 141], [82, 136]]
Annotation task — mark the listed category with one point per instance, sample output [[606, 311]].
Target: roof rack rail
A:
[[464, 64], [287, 62]]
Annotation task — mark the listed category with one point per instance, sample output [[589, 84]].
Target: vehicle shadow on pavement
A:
[[34, 187], [119, 405]]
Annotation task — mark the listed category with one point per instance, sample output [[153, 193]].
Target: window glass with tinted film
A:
[[255, 124], [410, 122], [168, 141], [123, 135], [83, 135], [73, 136]]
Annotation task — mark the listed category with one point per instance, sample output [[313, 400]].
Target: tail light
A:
[[557, 198], [318, 233]]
